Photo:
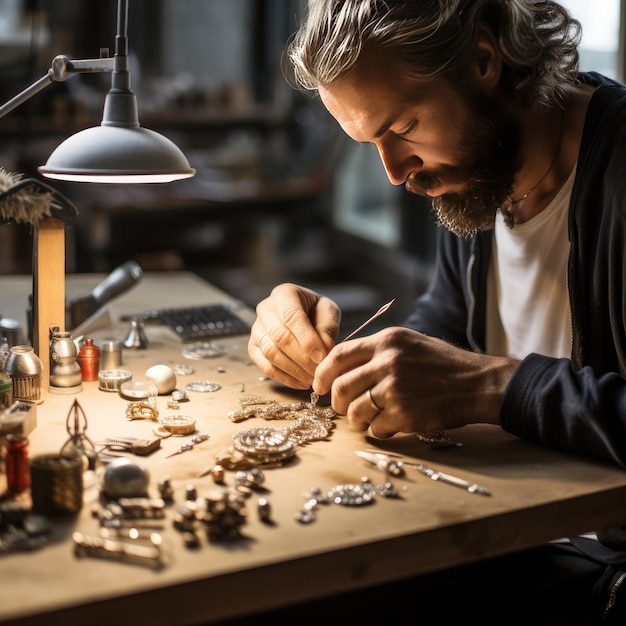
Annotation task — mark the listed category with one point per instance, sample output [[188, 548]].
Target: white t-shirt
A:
[[528, 308]]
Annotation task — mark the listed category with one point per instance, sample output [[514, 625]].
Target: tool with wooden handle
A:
[[34, 202]]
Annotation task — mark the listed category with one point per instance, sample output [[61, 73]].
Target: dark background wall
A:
[[280, 194]]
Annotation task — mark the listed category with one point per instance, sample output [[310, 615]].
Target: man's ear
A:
[[486, 60]]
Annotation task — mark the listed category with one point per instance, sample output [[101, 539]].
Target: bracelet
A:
[[111, 380]]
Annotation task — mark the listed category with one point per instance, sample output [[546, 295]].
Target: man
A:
[[479, 105]]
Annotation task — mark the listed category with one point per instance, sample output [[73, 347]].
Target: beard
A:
[[486, 166]]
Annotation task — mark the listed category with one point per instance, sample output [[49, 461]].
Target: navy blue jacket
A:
[[577, 405]]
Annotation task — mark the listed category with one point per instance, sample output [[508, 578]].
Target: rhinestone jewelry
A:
[[203, 386], [204, 350], [258, 406], [251, 400], [438, 439], [351, 495], [265, 444], [347, 495]]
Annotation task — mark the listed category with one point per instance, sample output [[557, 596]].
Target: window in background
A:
[[600, 45]]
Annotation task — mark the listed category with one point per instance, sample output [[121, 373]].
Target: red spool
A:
[[89, 361]]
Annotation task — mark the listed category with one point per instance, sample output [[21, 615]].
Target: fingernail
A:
[[317, 356]]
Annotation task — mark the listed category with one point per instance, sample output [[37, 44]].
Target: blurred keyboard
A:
[[200, 322]]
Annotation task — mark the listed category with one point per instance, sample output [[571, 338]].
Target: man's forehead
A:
[[358, 108], [369, 99]]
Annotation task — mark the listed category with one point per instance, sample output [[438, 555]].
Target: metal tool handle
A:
[[117, 550], [120, 280], [117, 282], [453, 480]]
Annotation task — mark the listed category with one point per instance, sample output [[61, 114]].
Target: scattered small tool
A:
[[394, 465], [190, 445]]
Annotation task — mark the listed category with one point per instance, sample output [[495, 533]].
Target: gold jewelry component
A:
[[372, 402], [257, 406], [141, 411], [251, 400], [308, 428], [217, 474], [160, 431], [273, 447], [178, 424], [232, 459]]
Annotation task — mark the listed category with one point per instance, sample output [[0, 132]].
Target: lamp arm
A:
[[61, 69]]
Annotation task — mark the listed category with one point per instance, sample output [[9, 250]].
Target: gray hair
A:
[[538, 41]]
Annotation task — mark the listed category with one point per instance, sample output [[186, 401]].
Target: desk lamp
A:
[[117, 151]]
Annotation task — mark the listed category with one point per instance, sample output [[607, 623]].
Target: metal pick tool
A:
[[383, 461], [383, 309], [450, 480], [190, 445]]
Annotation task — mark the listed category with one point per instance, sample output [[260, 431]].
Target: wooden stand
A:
[[48, 289]]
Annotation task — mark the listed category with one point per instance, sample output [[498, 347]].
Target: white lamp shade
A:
[[117, 154]]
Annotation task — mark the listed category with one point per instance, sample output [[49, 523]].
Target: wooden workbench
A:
[[538, 495]]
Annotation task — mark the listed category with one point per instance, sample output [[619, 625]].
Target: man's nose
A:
[[398, 160]]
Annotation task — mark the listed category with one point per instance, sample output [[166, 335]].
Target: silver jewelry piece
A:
[[204, 350], [203, 386], [351, 495], [439, 439], [180, 395], [265, 444], [264, 509], [253, 477]]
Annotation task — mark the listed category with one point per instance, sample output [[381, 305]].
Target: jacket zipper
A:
[[613, 594], [472, 303]]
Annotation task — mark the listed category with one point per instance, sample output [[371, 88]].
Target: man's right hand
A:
[[294, 330]]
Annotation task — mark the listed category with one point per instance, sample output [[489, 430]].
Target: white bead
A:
[[163, 376]]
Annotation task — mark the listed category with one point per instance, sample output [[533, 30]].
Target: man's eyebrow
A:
[[383, 128]]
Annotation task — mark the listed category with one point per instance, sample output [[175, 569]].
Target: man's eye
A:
[[408, 130]]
